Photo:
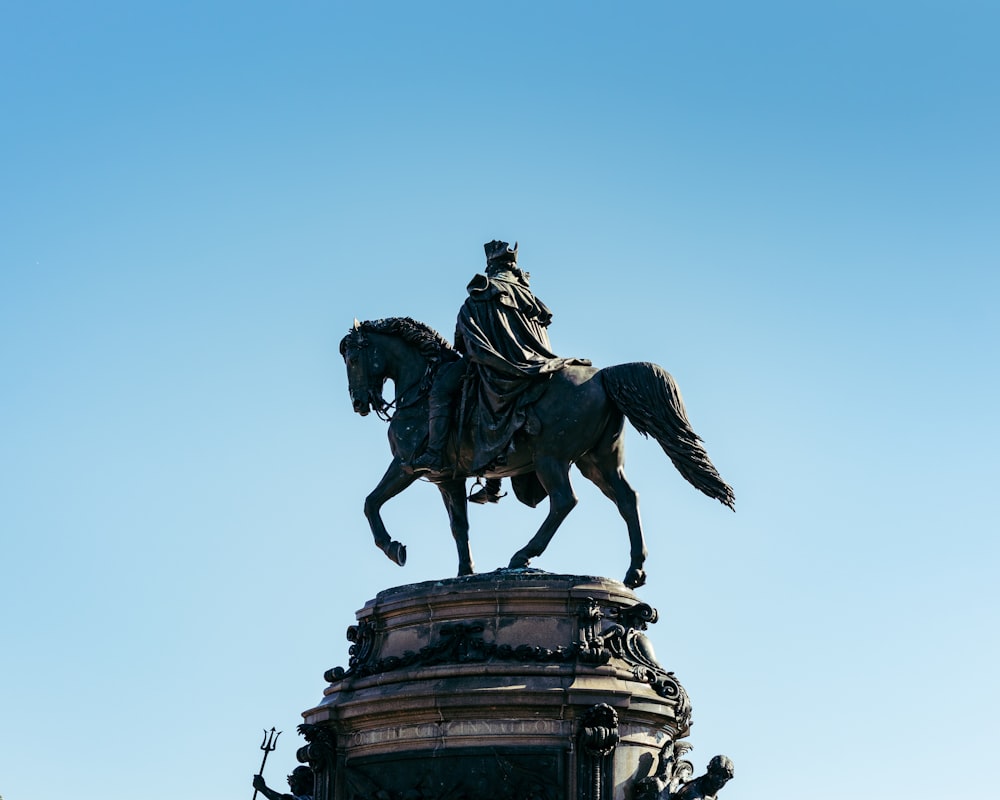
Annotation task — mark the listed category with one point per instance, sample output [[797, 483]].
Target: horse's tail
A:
[[648, 395]]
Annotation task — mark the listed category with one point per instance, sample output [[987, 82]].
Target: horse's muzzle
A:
[[362, 407]]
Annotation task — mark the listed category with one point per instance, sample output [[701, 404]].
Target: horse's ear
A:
[[357, 325]]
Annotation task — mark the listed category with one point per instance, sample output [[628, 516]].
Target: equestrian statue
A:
[[501, 404]]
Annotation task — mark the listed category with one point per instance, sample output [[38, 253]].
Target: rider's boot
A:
[[490, 493], [432, 459]]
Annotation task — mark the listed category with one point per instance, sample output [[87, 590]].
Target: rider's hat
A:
[[497, 251]]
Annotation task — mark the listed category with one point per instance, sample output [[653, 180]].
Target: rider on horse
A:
[[501, 332]]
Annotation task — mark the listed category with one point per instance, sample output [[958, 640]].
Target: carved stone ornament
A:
[[320, 752], [599, 644], [624, 640], [360, 652], [459, 643], [598, 739]]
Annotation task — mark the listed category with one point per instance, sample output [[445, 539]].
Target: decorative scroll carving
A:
[[462, 642], [363, 638], [624, 639], [598, 739]]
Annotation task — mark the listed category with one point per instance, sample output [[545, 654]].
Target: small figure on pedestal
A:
[[300, 782], [672, 780], [707, 786]]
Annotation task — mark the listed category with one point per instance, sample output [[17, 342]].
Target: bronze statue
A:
[[300, 782], [533, 415]]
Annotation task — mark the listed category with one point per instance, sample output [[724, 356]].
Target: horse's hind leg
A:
[[554, 476], [395, 480], [457, 504], [605, 469]]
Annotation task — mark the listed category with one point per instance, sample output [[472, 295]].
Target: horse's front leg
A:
[[455, 500], [395, 480], [554, 476]]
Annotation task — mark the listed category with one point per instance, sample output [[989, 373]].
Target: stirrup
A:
[[483, 496]]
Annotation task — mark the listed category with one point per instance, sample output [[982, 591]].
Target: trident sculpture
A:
[[270, 743]]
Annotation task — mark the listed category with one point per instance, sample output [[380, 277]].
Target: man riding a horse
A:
[[502, 334], [564, 413]]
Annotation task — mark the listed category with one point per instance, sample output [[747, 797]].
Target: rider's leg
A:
[[446, 385], [432, 458]]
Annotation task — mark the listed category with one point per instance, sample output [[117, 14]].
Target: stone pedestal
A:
[[512, 685]]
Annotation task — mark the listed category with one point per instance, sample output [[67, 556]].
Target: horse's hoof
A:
[[397, 553], [635, 578], [518, 561], [464, 571]]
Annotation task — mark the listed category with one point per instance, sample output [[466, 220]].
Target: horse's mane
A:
[[431, 344]]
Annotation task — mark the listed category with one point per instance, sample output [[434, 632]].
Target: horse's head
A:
[[366, 370], [397, 349]]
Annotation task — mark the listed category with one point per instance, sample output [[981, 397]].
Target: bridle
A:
[[382, 409]]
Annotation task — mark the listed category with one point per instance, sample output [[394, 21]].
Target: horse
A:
[[579, 419]]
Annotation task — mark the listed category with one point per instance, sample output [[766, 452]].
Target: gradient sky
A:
[[792, 206]]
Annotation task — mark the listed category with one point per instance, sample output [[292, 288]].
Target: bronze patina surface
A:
[[577, 418]]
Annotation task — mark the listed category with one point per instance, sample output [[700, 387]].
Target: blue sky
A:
[[791, 206]]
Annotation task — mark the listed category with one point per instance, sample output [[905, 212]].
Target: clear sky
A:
[[792, 206]]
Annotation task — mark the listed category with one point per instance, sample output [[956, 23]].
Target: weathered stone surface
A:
[[512, 684]]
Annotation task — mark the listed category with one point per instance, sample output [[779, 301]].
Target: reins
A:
[[423, 388]]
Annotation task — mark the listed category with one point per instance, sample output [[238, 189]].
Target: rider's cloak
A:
[[501, 330]]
